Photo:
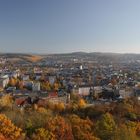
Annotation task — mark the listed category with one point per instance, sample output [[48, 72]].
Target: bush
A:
[[131, 116]]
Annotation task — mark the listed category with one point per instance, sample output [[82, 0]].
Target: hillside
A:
[[16, 57], [107, 57]]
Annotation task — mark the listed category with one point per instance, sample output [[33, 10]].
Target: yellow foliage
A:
[[45, 86], [8, 129], [134, 127], [60, 106], [41, 110], [6, 101], [81, 103], [82, 128], [138, 129], [131, 126], [56, 86], [43, 134]]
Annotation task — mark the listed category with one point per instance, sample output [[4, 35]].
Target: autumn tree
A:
[[138, 129], [19, 84], [6, 101], [43, 134], [59, 107], [56, 86], [59, 128], [3, 137], [105, 127], [121, 109], [81, 103], [8, 129], [82, 129], [125, 132], [45, 85], [12, 82]]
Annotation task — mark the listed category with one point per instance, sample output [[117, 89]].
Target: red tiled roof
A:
[[53, 94], [42, 103], [19, 101]]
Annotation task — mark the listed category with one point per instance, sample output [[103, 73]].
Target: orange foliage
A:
[[8, 129], [3, 138], [81, 103], [12, 82], [138, 129], [19, 85], [59, 128], [43, 134], [6, 101], [60, 107], [82, 129]]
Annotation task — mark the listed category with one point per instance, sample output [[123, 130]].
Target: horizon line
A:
[[71, 52]]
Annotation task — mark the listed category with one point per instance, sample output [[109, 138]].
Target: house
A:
[[15, 74], [125, 93], [28, 84], [36, 86], [84, 90], [137, 91], [37, 76], [52, 79], [4, 80], [10, 89], [97, 90], [53, 94], [25, 77]]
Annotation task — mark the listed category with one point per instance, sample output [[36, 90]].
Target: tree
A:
[[74, 97], [105, 127], [59, 128], [6, 101], [41, 110], [125, 132], [43, 134], [59, 107], [8, 129], [12, 82], [19, 84], [138, 129], [3, 137], [81, 103], [45, 85], [56, 86], [121, 109], [82, 129]]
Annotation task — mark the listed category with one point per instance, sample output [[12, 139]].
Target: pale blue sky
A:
[[57, 26]]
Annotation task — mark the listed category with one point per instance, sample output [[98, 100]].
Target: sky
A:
[[62, 26]]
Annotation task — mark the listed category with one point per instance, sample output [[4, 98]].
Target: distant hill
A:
[[98, 56], [105, 57], [22, 57]]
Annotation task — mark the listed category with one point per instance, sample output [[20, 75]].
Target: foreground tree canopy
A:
[[75, 121]]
